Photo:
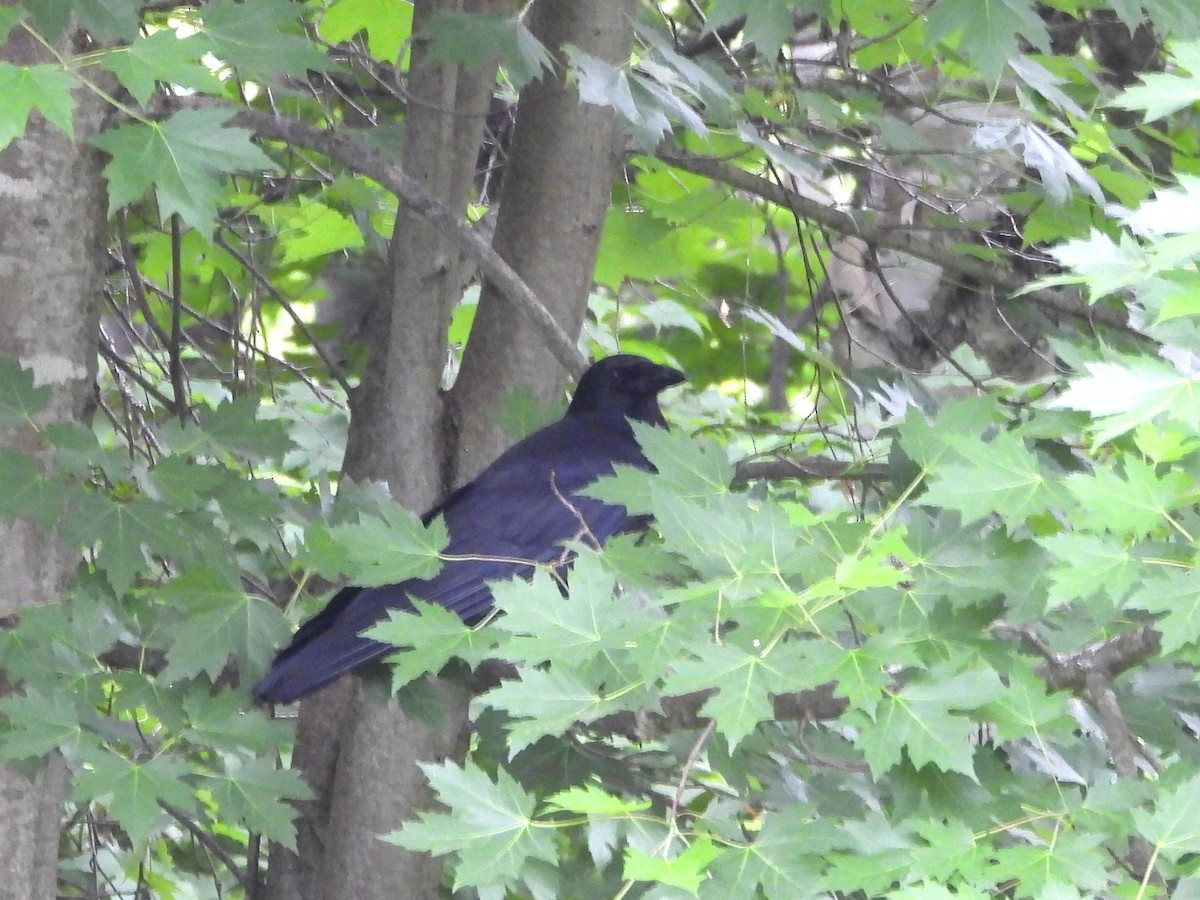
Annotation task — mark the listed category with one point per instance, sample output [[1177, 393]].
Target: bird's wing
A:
[[516, 515]]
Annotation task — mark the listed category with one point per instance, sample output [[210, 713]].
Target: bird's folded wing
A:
[[500, 529]]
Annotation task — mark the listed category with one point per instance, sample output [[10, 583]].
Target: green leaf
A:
[[38, 724], [222, 721], [29, 493], [1026, 709], [20, 400], [1104, 265], [687, 465], [1072, 865], [1121, 396], [919, 719], [1173, 828], [685, 871], [998, 476], [429, 637], [546, 702], [255, 794], [570, 631], [53, 646], [1132, 502], [186, 484], [963, 565], [46, 88], [1161, 94], [388, 25], [1178, 596], [744, 680], [131, 791], [988, 30], [1172, 210], [182, 159], [743, 546], [592, 800], [384, 549], [860, 674], [489, 826], [9, 17], [263, 38], [161, 56], [122, 530], [241, 428], [1087, 565], [768, 22], [478, 40], [927, 442], [601, 83], [216, 619], [119, 19], [786, 858], [315, 230]]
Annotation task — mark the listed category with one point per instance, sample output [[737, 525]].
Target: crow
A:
[[516, 514]]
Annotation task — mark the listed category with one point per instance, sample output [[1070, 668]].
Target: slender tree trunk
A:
[[556, 191], [52, 228], [359, 755]]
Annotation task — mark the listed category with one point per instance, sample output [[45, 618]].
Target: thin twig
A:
[[585, 530], [873, 265], [136, 284], [265, 283], [689, 764], [239, 338], [911, 241], [209, 842], [175, 343], [117, 361]]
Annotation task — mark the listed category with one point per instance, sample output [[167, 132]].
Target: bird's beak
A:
[[666, 377]]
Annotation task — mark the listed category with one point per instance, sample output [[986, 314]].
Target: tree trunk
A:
[[361, 755], [357, 754], [555, 194], [52, 234]]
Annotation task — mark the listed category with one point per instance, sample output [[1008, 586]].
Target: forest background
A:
[[920, 613]]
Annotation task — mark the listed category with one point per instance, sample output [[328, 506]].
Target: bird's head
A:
[[624, 385]]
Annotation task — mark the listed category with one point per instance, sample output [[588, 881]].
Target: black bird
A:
[[518, 512]]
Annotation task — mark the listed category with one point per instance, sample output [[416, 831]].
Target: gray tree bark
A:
[[52, 238], [359, 755], [557, 188]]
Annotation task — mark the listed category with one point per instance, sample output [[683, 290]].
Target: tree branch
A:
[[914, 243], [348, 152], [805, 468], [1108, 658]]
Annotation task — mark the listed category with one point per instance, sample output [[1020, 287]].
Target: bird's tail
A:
[[315, 664]]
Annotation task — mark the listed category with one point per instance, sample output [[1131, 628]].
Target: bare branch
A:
[[805, 468], [1108, 658]]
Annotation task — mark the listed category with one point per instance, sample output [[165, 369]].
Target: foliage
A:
[[871, 684]]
